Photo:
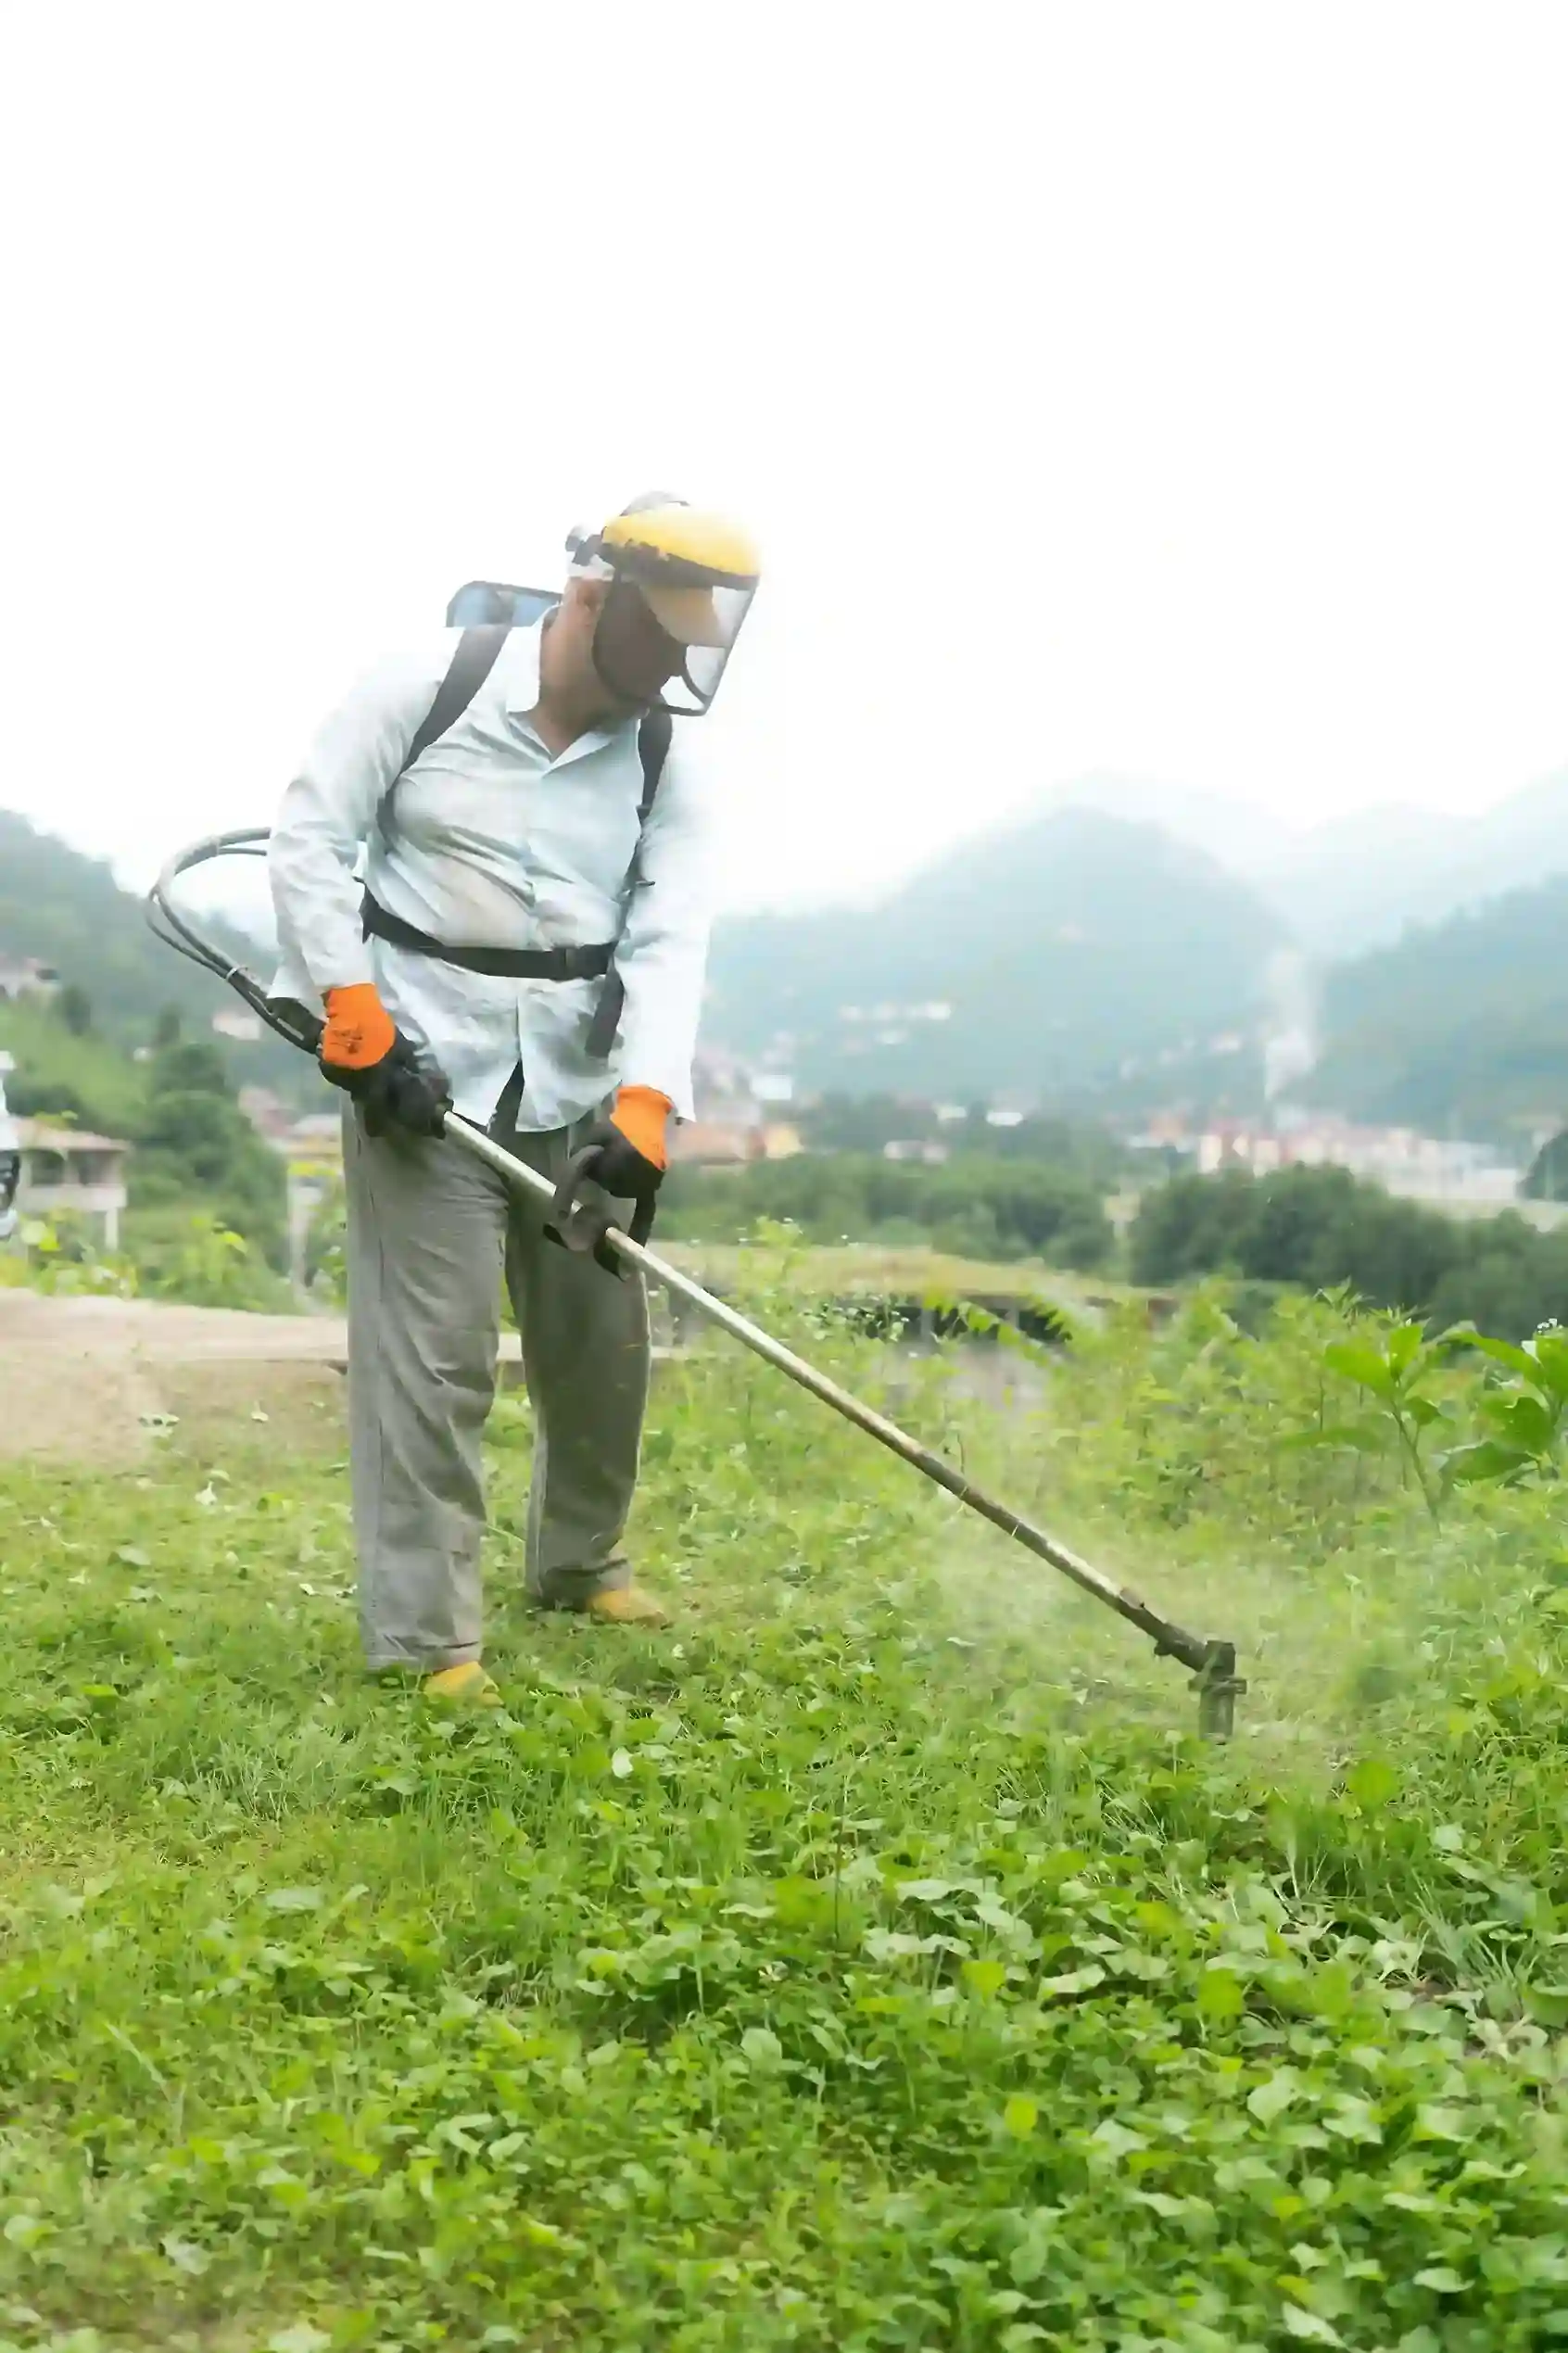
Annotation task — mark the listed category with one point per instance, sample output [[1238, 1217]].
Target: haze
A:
[[1173, 393]]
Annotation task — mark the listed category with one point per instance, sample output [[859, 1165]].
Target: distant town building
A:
[[737, 1107], [934, 1011], [278, 1124], [1163, 1131], [714, 1143], [311, 1148], [728, 1143], [921, 1149], [23, 976], [64, 1170], [312, 1136], [1418, 1167]]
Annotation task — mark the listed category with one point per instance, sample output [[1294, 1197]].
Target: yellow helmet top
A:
[[681, 546]]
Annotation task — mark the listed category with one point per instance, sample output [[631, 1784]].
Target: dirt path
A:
[[90, 1380]]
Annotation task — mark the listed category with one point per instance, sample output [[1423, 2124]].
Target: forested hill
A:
[[1084, 961], [1042, 960], [67, 910], [1462, 1027], [1094, 962]]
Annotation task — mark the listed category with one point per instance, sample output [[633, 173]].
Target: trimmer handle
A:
[[304, 1027], [576, 1226]]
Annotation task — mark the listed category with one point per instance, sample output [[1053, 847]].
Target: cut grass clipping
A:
[[876, 1960]]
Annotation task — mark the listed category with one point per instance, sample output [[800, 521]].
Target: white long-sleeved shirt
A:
[[497, 844]]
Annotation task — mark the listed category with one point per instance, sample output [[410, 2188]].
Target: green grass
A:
[[874, 1961]]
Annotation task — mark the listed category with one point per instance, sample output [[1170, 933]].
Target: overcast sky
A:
[[1174, 391]]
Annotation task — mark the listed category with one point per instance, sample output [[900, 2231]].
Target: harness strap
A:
[[510, 963], [652, 745]]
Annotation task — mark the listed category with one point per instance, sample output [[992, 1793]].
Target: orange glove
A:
[[359, 1030], [642, 1115]]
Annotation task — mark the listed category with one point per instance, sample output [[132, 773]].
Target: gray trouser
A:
[[431, 1232]]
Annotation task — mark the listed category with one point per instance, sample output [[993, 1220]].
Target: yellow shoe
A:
[[626, 1605], [466, 1685]]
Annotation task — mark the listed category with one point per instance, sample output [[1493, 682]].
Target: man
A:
[[513, 842]]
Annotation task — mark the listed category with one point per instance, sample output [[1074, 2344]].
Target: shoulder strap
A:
[[471, 665], [652, 747], [653, 750]]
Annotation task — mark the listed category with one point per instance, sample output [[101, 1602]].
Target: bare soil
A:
[[98, 1380]]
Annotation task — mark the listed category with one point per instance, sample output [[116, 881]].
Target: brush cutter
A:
[[1213, 1662]]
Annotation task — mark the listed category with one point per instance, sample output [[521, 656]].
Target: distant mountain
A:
[[1352, 883], [1077, 958], [65, 910], [1089, 962], [1518, 842], [1357, 882], [1460, 1028], [1239, 836]]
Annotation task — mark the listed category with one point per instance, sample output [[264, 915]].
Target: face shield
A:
[[681, 585]]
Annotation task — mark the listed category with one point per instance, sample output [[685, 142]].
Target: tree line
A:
[[1318, 1228], [971, 1207]]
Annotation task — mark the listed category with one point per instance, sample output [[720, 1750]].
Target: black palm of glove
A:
[[611, 1162], [403, 1090]]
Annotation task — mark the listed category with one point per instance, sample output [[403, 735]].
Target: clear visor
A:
[[703, 663], [669, 645]]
